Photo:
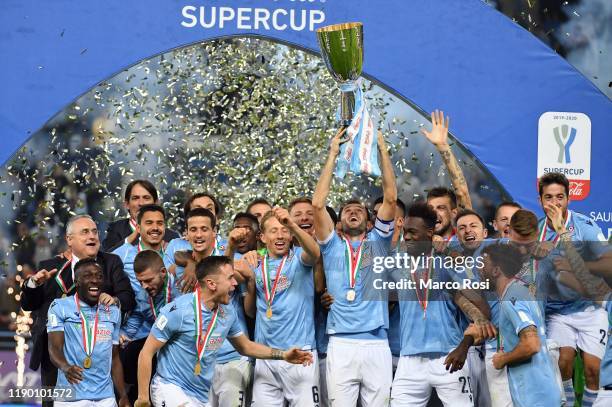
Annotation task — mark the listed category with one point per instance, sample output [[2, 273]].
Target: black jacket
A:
[[38, 300], [117, 232]]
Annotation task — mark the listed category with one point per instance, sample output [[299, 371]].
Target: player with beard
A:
[[84, 339], [188, 334], [138, 193], [573, 321], [522, 338], [176, 257], [429, 325], [157, 288], [151, 228], [232, 379], [443, 200], [358, 359], [281, 294], [501, 221]]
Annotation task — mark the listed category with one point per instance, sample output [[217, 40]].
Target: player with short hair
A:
[[188, 334], [572, 321], [503, 214], [281, 294], [83, 341], [258, 207], [358, 357], [522, 337]]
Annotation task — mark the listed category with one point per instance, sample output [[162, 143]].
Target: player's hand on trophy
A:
[[298, 357], [438, 136], [339, 139]]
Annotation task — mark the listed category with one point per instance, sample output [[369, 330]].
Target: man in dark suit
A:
[[56, 279], [138, 193]]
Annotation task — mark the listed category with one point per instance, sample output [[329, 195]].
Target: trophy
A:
[[342, 49]]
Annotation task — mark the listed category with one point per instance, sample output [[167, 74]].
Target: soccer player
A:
[[151, 229], [358, 356], [187, 336], [604, 397], [521, 331], [232, 379], [429, 325], [282, 297], [259, 207], [83, 341], [158, 288], [444, 200], [572, 321], [56, 279], [177, 248], [503, 214], [138, 193]]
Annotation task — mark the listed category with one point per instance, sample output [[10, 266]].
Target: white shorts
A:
[[416, 376], [499, 387], [107, 402], [553, 352], [478, 375], [394, 362], [586, 330], [171, 395], [324, 400], [604, 398], [276, 381], [230, 384], [358, 368]]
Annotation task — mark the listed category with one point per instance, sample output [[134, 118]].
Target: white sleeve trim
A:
[[328, 238], [236, 335]]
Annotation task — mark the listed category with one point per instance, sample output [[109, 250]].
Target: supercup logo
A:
[[564, 146]]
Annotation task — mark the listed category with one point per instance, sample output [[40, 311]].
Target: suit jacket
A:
[[38, 300], [118, 230]]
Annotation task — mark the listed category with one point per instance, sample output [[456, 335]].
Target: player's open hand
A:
[[106, 299], [73, 373], [438, 136], [456, 359], [298, 357]]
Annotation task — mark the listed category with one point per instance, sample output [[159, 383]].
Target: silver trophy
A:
[[342, 49]]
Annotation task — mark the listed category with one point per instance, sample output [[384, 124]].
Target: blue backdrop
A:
[[491, 76]]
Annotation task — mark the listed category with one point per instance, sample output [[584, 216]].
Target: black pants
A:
[[48, 376], [129, 360]]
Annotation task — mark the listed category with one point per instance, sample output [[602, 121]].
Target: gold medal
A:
[[350, 295], [87, 362], [269, 312], [197, 369], [64, 295]]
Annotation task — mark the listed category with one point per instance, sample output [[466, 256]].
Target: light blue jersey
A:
[[292, 321], [437, 331], [138, 325], [227, 353], [362, 315], [532, 382], [63, 316], [590, 242], [176, 360], [127, 253], [605, 375], [182, 245]]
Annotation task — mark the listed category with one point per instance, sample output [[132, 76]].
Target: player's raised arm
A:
[[386, 211], [311, 249], [323, 222], [438, 136]]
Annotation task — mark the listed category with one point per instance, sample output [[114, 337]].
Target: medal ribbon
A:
[[88, 333], [132, 224], [451, 236], [202, 341], [60, 282], [428, 275], [167, 293], [265, 276], [353, 260]]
